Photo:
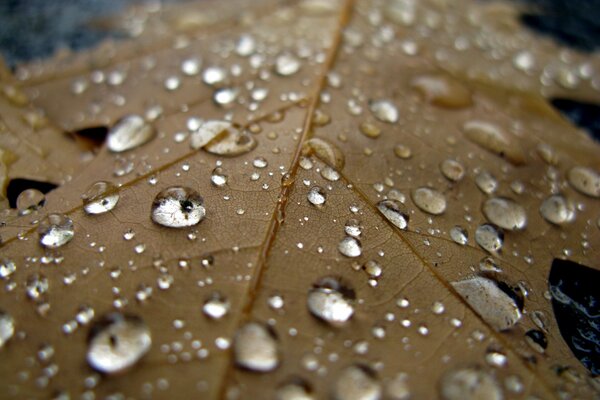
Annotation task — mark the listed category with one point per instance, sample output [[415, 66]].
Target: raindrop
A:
[[429, 200], [7, 268], [260, 162], [557, 210], [214, 75], [493, 139], [353, 228], [255, 348], [326, 151], [452, 170], [331, 302], [295, 389], [442, 91], [30, 200], [357, 382], [7, 328], [218, 177], [585, 180], [402, 151], [505, 213], [117, 342], [231, 142], [384, 110], [36, 286], [350, 247], [316, 196], [216, 306], [128, 133], [486, 182], [470, 384], [225, 96], [392, 211], [493, 304], [370, 130], [397, 388], [172, 83], [489, 237], [55, 231], [459, 235], [100, 197], [496, 359], [191, 66], [245, 46], [178, 207], [287, 64]]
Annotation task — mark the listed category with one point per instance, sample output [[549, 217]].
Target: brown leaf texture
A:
[[341, 255]]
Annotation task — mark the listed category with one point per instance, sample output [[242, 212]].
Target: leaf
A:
[[358, 209]]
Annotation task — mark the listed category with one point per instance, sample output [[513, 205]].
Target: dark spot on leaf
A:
[[573, 23], [584, 115], [512, 293], [538, 337], [94, 136], [576, 305], [17, 185]]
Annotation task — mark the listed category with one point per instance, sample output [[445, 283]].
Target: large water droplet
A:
[[30, 200], [505, 213], [331, 302], [493, 139], [231, 142], [384, 110], [178, 207], [101, 197], [557, 210], [255, 348], [489, 237], [117, 342], [392, 210], [429, 200], [494, 305], [7, 328], [55, 231], [350, 247], [326, 151], [128, 133], [357, 382], [585, 180], [470, 384], [443, 91], [316, 196]]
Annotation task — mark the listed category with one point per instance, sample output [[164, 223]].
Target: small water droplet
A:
[[128, 133], [489, 237], [245, 46], [370, 130], [452, 170], [429, 200], [585, 180], [7, 268], [459, 235], [493, 139], [470, 384], [384, 110], [496, 359], [326, 151], [357, 382], [331, 302], [218, 177], [260, 162], [7, 328], [100, 197], [353, 228], [214, 75], [216, 306], [442, 91], [316, 196], [295, 389], [287, 64], [191, 66], [117, 342], [350, 247], [178, 207], [30, 200], [505, 213], [255, 348], [392, 211], [230, 142], [486, 182], [55, 231], [225, 96], [402, 151], [557, 210]]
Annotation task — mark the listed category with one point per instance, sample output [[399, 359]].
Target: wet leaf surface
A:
[[316, 199]]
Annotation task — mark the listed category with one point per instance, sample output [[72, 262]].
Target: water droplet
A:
[[245, 46], [218, 177], [384, 110], [557, 210], [178, 207], [117, 342], [101, 197], [402, 151], [296, 389], [585, 180], [489, 237], [505, 213], [128, 133], [36, 286], [331, 302], [397, 388], [260, 162], [330, 174], [429, 200], [370, 130], [373, 269], [523, 61], [55, 231], [316, 196], [470, 384], [537, 340], [459, 235], [486, 182], [287, 64], [255, 348], [392, 211], [230, 142], [7, 328], [30, 200], [216, 306], [7, 268], [214, 75], [493, 139], [353, 228], [442, 91], [357, 382], [326, 151], [452, 170], [494, 305], [225, 96], [496, 359], [172, 83], [350, 247], [191, 66]]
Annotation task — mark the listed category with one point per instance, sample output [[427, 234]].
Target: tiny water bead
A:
[[392, 210], [486, 182], [331, 302], [218, 177], [100, 197], [117, 342], [585, 180], [470, 384], [429, 200], [353, 228], [287, 64], [489, 237], [178, 207], [384, 110], [459, 235], [55, 231], [216, 306], [357, 382], [7, 328], [557, 210], [350, 247], [128, 133], [255, 348], [316, 196], [505, 213]]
